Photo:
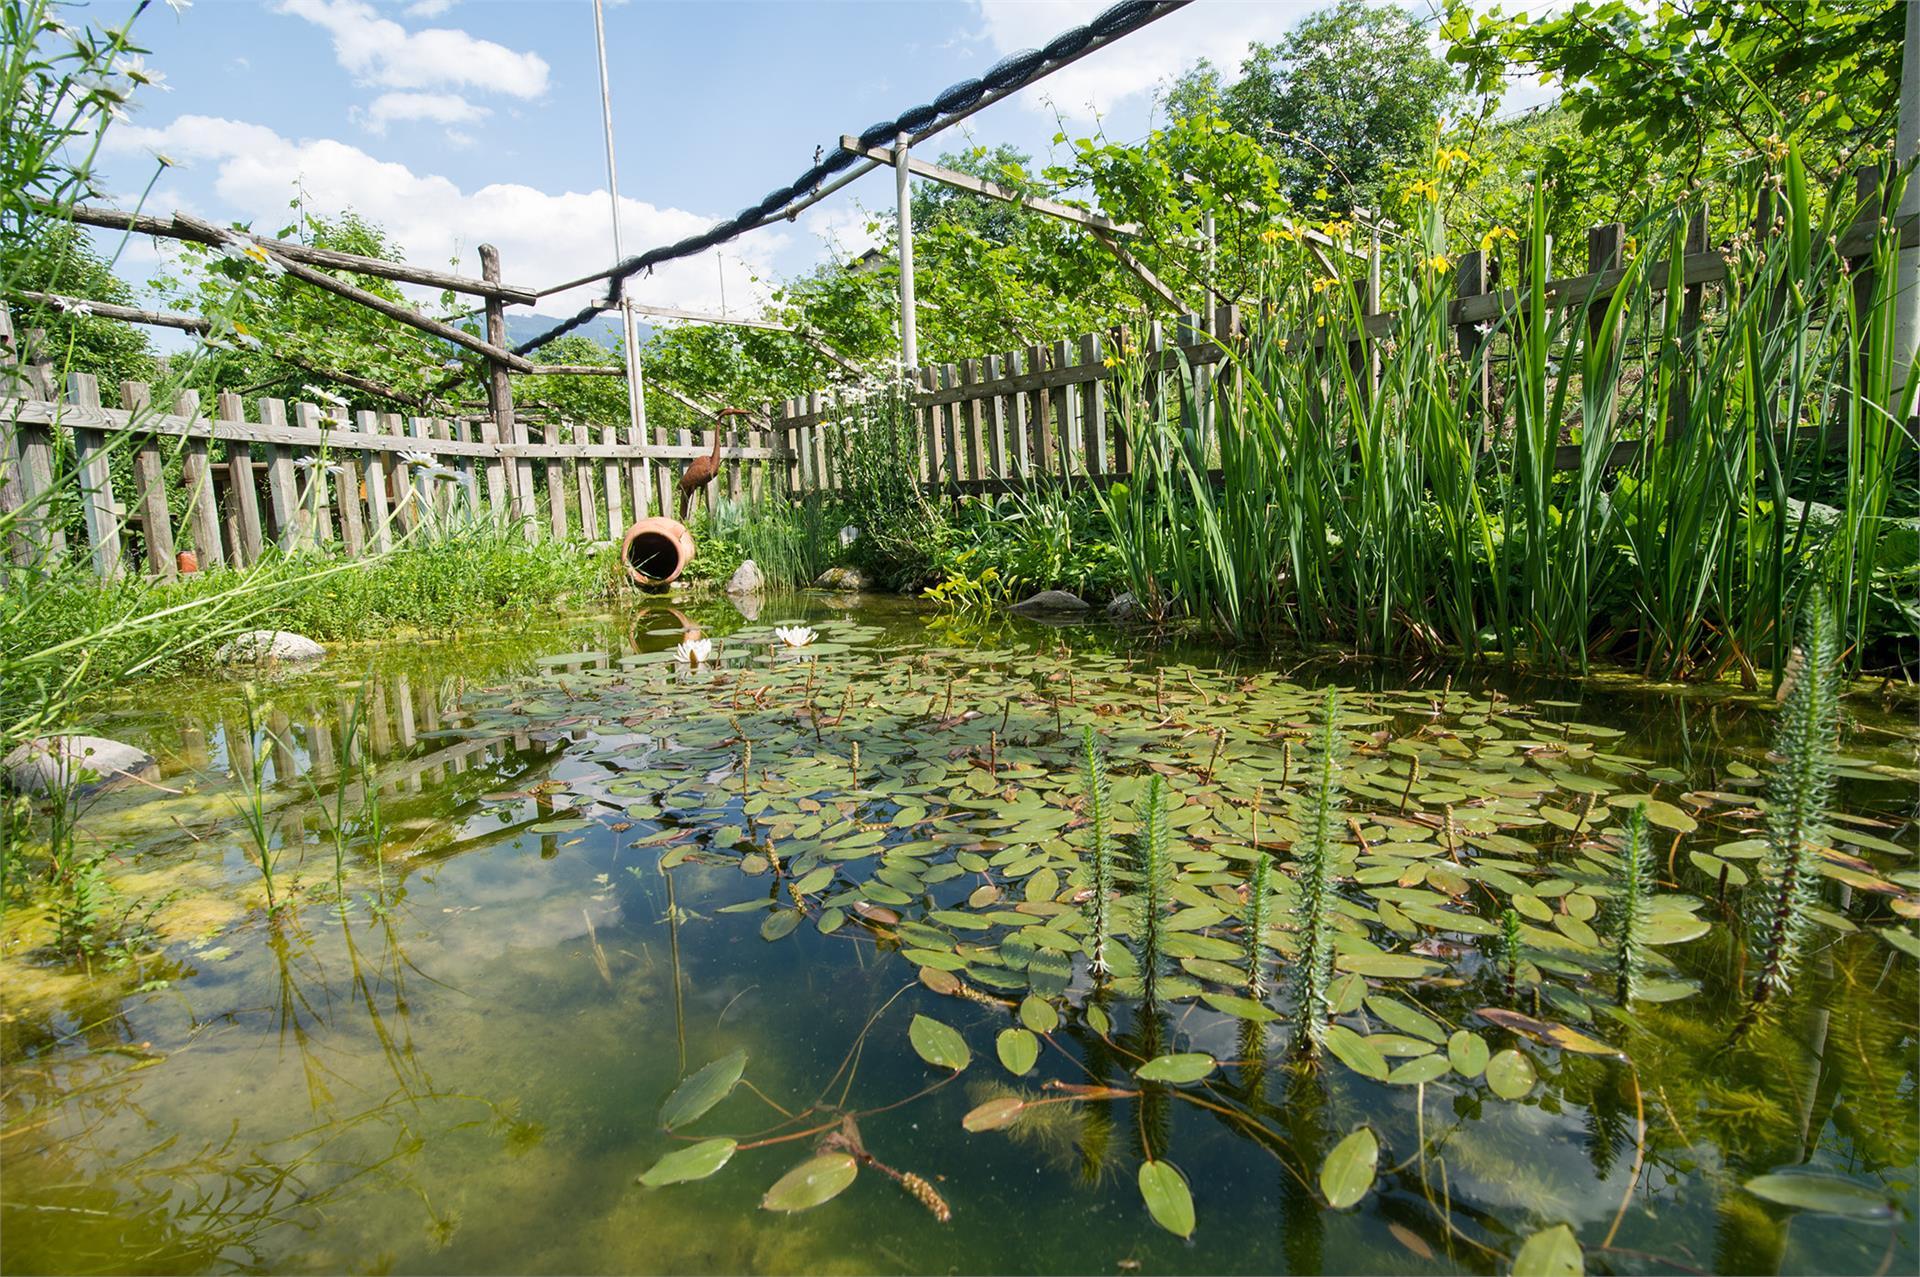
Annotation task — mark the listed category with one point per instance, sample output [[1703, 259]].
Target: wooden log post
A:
[[97, 506], [583, 483], [1068, 430], [150, 486], [995, 409], [639, 472], [500, 398], [1471, 280], [1093, 354], [196, 474], [379, 512], [556, 486], [1039, 414], [249, 544], [1606, 249]]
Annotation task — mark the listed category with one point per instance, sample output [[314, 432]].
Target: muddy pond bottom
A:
[[656, 943]]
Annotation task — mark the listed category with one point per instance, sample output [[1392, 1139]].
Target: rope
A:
[[1011, 73]]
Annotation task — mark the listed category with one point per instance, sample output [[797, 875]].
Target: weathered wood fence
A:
[[997, 423], [310, 475]]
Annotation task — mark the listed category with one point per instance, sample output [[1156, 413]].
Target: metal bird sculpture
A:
[[702, 470]]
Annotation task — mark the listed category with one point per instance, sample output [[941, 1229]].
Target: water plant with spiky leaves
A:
[[1315, 850], [1799, 786], [1156, 881], [1508, 948], [1099, 907], [1258, 887], [1634, 892]]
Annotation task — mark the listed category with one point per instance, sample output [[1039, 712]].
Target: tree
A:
[[62, 259], [1348, 95]]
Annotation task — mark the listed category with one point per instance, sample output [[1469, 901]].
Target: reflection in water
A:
[[453, 1054]]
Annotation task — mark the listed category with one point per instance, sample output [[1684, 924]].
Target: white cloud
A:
[[248, 171], [844, 228], [414, 108], [380, 51], [429, 8]]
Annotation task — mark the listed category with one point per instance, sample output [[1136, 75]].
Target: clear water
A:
[[461, 1066]]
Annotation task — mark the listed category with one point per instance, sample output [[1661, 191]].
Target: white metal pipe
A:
[[1906, 329], [909, 341], [636, 387]]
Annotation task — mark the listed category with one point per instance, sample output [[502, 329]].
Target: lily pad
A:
[[1349, 1170], [1822, 1194], [702, 1090], [1190, 1066], [939, 1044], [1551, 1252], [1018, 1050], [696, 1161], [1168, 1200], [1510, 1075], [819, 1179]]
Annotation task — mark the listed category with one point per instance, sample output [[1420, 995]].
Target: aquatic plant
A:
[[1100, 852], [1256, 924], [1314, 855], [1634, 900], [1156, 879], [1799, 786], [1508, 952], [248, 761]]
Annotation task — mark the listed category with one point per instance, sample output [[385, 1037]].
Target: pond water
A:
[[566, 908]]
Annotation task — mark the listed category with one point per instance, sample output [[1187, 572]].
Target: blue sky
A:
[[451, 122]]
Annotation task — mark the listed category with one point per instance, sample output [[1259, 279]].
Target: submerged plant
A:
[[1156, 881], [1313, 914], [1509, 951], [1099, 907], [1799, 785], [1256, 937], [1635, 894], [249, 761]]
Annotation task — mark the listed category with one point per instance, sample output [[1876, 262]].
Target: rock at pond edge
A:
[[38, 766], [1050, 603], [746, 579], [262, 646], [851, 579]]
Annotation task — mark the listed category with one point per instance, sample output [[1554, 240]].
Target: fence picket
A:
[[150, 488], [242, 487], [583, 486], [379, 513], [97, 506], [196, 475]]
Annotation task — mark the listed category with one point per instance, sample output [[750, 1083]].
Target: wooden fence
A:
[[310, 476], [995, 424]]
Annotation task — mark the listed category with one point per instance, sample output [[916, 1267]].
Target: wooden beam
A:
[[125, 314], [694, 316], [1139, 269], [577, 370], [994, 190], [392, 310], [180, 226]]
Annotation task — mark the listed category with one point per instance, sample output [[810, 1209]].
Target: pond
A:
[[814, 926]]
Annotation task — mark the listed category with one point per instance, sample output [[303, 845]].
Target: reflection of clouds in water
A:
[[1520, 1161]]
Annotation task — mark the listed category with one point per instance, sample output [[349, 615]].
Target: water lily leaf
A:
[[702, 1090], [819, 1179], [813, 881], [940, 981], [780, 923], [1551, 1252], [934, 958], [939, 1044], [1551, 1034], [1386, 966], [1038, 1014], [1824, 1194], [1237, 1005], [1018, 1050], [1188, 1066], [831, 920], [995, 1114], [1168, 1200], [1355, 1052], [696, 1161], [1349, 1170], [1468, 1053], [1420, 1069], [1510, 1075]]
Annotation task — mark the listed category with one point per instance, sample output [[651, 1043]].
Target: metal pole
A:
[[1906, 328], [909, 341], [636, 387]]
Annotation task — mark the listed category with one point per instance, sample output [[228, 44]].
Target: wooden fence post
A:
[[150, 486], [1039, 414], [556, 486], [313, 487], [380, 514], [639, 474], [283, 502], [1606, 250], [583, 482], [500, 398], [1068, 431], [96, 480], [1093, 355], [249, 544], [1470, 280], [610, 473], [196, 473]]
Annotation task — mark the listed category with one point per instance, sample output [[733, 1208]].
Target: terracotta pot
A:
[[186, 562], [655, 551]]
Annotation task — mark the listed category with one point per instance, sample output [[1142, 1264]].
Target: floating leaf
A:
[[1551, 1252], [1824, 1194], [939, 1044], [995, 1114], [1468, 1053], [780, 923], [696, 1161], [1356, 1052], [1038, 1014], [703, 1090], [1543, 1031], [1168, 1200], [814, 1181], [1424, 1068], [1386, 966], [1018, 1050], [1510, 1075], [1189, 1066], [1237, 1005], [1348, 1172]]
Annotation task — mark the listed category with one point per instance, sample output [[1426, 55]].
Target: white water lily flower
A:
[[694, 651], [795, 635]]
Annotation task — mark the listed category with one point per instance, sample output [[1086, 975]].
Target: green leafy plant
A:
[[1100, 849], [1634, 902], [1156, 878], [1314, 855]]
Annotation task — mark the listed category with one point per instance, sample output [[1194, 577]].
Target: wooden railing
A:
[[310, 476]]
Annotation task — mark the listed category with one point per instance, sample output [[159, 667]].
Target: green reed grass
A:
[[1635, 486]]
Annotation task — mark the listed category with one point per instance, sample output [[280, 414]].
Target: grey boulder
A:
[[746, 579], [850, 579], [83, 764], [1050, 603], [257, 647]]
